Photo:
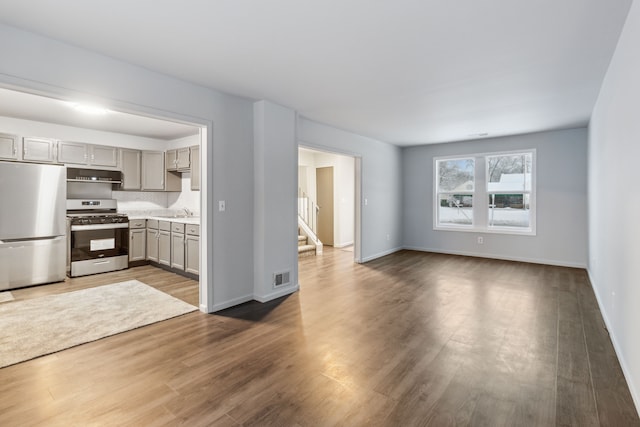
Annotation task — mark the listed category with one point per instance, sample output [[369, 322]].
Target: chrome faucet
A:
[[187, 212]]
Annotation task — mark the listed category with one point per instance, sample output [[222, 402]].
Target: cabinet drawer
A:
[[177, 227], [164, 225], [193, 230], [152, 223], [137, 223]]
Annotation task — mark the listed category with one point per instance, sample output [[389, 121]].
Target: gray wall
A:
[[381, 183], [275, 209], [561, 200], [614, 201], [43, 65]]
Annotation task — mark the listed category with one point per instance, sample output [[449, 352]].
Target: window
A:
[[486, 192], [455, 191], [509, 190]]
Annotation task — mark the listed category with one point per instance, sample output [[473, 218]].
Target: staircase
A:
[[304, 248], [308, 242]]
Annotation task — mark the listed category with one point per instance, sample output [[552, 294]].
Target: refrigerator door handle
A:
[[32, 240]]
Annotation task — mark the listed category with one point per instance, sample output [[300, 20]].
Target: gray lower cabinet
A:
[[174, 244], [8, 146], [137, 245], [137, 240], [192, 249], [164, 243], [177, 245], [152, 244], [39, 150]]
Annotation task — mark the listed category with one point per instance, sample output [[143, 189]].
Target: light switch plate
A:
[[221, 205]]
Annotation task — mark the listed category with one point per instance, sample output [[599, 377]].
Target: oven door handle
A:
[[89, 227]]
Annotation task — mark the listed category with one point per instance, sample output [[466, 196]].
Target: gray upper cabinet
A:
[[183, 159], [80, 153], [72, 152], [153, 170], [100, 155], [178, 159], [172, 160], [195, 167], [130, 164], [39, 149], [8, 146], [155, 175]]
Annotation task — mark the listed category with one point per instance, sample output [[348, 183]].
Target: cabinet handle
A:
[[132, 237], [15, 151]]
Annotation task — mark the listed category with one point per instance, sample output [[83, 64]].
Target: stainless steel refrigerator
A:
[[33, 242]]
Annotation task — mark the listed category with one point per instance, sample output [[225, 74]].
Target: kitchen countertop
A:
[[182, 220]]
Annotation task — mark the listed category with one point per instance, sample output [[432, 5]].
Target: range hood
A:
[[94, 175]]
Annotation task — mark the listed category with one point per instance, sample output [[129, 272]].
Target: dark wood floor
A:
[[409, 339]]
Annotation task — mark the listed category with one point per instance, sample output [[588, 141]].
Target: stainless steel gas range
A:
[[98, 237]]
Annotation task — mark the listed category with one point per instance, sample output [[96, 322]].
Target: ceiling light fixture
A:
[[93, 110]]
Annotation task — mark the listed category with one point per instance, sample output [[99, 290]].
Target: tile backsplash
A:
[[158, 202]]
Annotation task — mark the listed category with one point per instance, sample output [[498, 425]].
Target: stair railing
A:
[[308, 211]]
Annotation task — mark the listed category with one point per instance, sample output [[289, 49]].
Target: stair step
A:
[[302, 240], [306, 250]]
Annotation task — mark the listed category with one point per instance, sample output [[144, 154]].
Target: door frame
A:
[[357, 167], [205, 283]]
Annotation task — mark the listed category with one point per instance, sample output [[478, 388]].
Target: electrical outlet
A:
[[388, 237], [480, 240], [221, 205]]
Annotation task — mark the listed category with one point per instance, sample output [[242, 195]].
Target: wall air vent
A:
[[281, 279]]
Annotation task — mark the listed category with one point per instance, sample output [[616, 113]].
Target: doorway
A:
[[330, 181], [129, 127]]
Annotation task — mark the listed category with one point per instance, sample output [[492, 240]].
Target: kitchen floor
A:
[[170, 283]]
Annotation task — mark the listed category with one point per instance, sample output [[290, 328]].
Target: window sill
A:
[[471, 229]]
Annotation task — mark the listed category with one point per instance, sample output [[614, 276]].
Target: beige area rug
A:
[[44, 325], [6, 296]]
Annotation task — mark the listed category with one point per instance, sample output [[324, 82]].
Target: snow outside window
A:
[[493, 192], [455, 191]]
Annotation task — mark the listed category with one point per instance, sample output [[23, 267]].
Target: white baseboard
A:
[[635, 395], [502, 257], [230, 303], [277, 294], [343, 245], [380, 255]]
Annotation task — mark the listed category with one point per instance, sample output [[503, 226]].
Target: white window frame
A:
[[480, 222], [436, 217]]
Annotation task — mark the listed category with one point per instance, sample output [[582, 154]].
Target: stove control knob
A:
[[103, 220]]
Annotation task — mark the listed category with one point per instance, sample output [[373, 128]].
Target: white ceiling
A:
[[43, 109], [402, 71]]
